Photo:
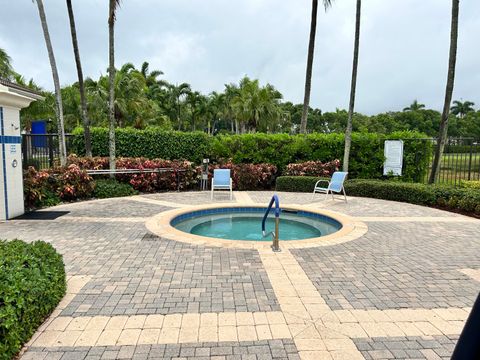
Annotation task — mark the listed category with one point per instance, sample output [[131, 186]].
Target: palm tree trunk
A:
[[83, 101], [353, 87], [442, 136], [111, 82], [56, 83], [308, 78]]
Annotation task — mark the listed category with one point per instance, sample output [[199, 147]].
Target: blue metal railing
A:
[[277, 221]]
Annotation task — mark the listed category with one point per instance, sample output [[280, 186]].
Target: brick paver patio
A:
[[402, 290]]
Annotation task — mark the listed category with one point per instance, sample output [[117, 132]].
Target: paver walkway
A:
[[402, 290]]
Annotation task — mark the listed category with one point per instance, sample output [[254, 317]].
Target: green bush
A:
[[32, 283], [150, 143], [470, 184], [444, 196], [420, 194], [111, 188], [367, 153], [297, 183]]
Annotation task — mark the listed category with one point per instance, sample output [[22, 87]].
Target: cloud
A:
[[403, 54]]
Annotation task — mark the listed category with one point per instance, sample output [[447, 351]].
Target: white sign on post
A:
[[393, 157]]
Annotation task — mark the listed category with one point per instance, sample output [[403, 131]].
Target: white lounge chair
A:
[[221, 181], [335, 185]]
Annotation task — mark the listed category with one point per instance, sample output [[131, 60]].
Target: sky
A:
[[404, 46]]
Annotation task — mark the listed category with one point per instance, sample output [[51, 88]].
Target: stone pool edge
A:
[[160, 225]]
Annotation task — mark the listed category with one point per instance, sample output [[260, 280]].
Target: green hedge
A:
[[296, 183], [152, 143], [108, 188], [367, 154], [32, 283], [444, 196]]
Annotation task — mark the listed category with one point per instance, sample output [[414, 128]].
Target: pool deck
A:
[[398, 286]]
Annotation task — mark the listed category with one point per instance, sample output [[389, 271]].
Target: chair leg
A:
[[326, 195], [344, 194], [211, 193]]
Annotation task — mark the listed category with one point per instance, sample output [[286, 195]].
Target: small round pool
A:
[[245, 223]]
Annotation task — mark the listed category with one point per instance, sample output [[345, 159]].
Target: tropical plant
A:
[[415, 106], [461, 109], [442, 136], [83, 100], [311, 51], [353, 86], [56, 83], [6, 70]]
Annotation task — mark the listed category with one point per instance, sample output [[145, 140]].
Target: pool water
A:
[[247, 225]]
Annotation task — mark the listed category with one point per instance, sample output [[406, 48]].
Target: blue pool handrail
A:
[[277, 211]]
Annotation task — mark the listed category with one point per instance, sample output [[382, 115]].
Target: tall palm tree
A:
[[177, 93], [83, 99], [6, 70], [113, 5], [353, 86], [56, 83], [311, 51], [442, 136], [462, 108], [415, 106]]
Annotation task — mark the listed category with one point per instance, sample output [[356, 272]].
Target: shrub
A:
[[448, 197], [312, 168], [249, 176], [367, 153], [109, 188], [146, 182], [48, 187], [420, 194], [297, 183], [150, 143], [32, 279], [470, 184]]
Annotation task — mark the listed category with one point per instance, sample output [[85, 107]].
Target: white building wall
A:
[[13, 161]]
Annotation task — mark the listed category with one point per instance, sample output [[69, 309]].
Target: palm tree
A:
[[442, 136], [56, 83], [6, 70], [353, 86], [83, 100], [415, 106], [462, 108], [311, 51], [113, 5], [177, 93]]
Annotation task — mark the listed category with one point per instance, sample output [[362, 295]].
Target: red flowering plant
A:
[[48, 187], [313, 168], [248, 176]]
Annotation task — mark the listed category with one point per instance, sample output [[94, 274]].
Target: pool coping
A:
[[160, 225]]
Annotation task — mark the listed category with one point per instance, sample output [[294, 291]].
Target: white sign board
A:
[[393, 157]]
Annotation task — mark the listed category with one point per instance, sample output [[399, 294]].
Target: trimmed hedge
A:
[[443, 196], [297, 183], [151, 143], [367, 153], [32, 280], [108, 188]]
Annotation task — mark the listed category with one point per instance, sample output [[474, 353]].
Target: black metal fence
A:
[[42, 151], [460, 161]]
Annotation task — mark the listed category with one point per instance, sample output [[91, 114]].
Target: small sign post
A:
[[393, 157]]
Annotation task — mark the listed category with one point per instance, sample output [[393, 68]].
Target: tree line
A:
[[250, 107]]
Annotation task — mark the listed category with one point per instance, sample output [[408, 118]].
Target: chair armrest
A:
[[319, 181]]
